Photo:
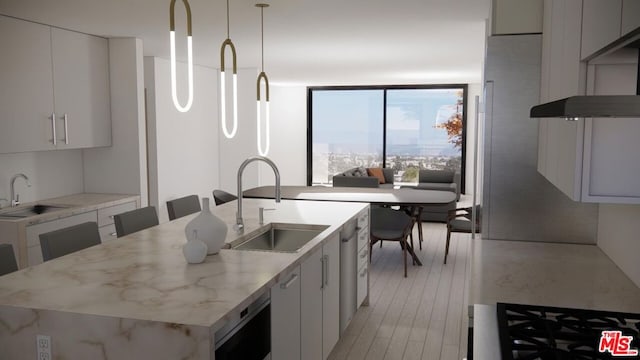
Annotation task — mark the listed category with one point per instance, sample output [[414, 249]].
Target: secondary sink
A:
[[281, 237], [31, 210]]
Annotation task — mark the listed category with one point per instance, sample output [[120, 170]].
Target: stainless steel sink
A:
[[280, 237], [25, 211]]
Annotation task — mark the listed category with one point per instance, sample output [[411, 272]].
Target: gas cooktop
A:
[[543, 332]]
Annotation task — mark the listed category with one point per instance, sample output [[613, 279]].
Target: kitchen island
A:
[[136, 297]]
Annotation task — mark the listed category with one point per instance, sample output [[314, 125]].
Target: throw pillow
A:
[[377, 172]]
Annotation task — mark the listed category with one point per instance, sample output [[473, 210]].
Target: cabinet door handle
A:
[[53, 129], [364, 254], [66, 129], [286, 285], [322, 271], [326, 269], [113, 234], [364, 272], [111, 217]]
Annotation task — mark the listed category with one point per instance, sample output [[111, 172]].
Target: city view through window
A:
[[404, 129]]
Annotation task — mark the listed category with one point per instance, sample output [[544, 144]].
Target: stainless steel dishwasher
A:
[[247, 336]]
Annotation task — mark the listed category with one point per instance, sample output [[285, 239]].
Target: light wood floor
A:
[[423, 316]]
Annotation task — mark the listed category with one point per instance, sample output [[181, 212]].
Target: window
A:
[[406, 128]]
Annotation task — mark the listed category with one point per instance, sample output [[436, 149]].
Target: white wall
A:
[[234, 151], [122, 168], [183, 147], [288, 136], [618, 229], [51, 173]]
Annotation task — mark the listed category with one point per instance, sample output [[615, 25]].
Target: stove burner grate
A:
[[542, 332]]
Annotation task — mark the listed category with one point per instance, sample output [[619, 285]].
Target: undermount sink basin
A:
[[31, 210], [280, 237]]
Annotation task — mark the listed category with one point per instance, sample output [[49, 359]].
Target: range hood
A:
[[589, 106]]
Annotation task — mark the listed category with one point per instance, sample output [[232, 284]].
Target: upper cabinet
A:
[[630, 16], [601, 21], [55, 92]]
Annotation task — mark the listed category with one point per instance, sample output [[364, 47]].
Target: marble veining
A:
[[565, 275], [144, 276]]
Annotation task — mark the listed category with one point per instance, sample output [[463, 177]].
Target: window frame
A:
[[385, 88]]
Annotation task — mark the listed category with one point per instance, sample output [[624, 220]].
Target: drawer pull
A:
[[113, 234], [363, 273], [364, 254], [111, 217], [286, 285]]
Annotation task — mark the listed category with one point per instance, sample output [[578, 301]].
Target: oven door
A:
[[248, 338]]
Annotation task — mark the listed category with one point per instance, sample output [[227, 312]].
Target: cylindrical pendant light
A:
[[172, 44], [262, 75], [223, 87]]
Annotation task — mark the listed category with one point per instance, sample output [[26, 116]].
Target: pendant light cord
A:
[[262, 35], [228, 19]]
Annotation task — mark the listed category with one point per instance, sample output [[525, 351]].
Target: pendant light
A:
[[223, 88], [262, 76], [172, 44]]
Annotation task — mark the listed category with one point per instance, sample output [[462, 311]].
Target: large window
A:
[[401, 127]]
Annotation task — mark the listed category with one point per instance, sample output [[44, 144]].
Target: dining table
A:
[[411, 198]]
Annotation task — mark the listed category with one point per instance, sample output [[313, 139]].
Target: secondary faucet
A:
[[239, 221], [15, 198]]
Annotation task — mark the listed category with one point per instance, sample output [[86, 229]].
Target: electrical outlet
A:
[[43, 347]]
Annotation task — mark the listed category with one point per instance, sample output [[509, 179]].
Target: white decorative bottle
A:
[[194, 250], [211, 229]]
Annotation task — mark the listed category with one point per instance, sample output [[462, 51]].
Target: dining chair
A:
[[183, 206], [221, 197], [68, 240], [459, 220], [8, 262], [135, 220], [390, 225]]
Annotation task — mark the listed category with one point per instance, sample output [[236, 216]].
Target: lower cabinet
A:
[[348, 269], [320, 301], [285, 317], [34, 253]]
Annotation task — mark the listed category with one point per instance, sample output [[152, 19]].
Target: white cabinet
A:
[[49, 73], [26, 94], [348, 269], [320, 300], [630, 16], [362, 290], [285, 317], [563, 75], [81, 88], [601, 21], [33, 232]]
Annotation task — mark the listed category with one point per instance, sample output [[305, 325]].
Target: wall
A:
[[516, 17], [234, 151], [121, 168], [51, 173], [183, 147], [518, 203], [618, 230]]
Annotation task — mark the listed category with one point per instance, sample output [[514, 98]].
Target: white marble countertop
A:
[[72, 205], [144, 275], [552, 274]]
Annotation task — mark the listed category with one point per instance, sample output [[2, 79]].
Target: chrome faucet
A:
[[239, 221], [15, 198]]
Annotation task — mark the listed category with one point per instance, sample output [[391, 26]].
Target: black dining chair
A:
[[183, 206], [459, 220], [390, 225], [8, 262], [68, 240], [135, 220], [221, 197]]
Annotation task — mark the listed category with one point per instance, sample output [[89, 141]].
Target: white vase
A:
[[194, 250], [210, 229]]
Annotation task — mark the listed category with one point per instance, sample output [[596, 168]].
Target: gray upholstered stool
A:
[[135, 220], [70, 239], [183, 206]]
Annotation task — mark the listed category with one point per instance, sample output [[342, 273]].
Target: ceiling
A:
[[307, 42]]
